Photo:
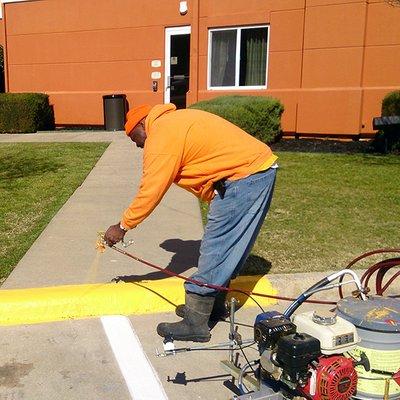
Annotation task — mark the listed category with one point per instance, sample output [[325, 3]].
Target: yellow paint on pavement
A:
[[36, 305]]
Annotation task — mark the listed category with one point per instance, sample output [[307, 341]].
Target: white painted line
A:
[[141, 378]]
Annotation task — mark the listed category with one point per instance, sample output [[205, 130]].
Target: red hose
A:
[[380, 268], [211, 286], [396, 275]]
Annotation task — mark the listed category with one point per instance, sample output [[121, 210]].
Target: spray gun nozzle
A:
[[101, 244], [126, 244]]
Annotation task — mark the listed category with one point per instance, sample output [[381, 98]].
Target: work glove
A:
[[114, 234]]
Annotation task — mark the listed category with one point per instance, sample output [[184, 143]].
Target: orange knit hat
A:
[[135, 115]]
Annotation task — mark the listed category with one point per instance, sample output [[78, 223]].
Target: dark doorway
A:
[[180, 61]]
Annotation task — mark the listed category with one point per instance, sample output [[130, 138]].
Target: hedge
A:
[[389, 140], [391, 104], [258, 116], [25, 113]]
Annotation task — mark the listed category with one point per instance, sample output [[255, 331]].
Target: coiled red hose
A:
[[380, 268]]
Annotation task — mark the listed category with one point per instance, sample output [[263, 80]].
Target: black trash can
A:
[[114, 107]]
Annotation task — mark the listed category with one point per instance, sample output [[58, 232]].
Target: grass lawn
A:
[[36, 179], [328, 209]]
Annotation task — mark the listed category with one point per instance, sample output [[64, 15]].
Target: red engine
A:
[[334, 378]]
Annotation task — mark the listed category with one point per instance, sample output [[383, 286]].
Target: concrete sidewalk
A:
[[65, 251]]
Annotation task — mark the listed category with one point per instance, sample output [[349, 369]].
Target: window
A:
[[238, 57]]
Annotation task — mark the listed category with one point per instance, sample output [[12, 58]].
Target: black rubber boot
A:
[[194, 326], [219, 312]]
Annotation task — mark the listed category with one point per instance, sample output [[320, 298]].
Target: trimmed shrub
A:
[[389, 139], [391, 104], [25, 113], [258, 116]]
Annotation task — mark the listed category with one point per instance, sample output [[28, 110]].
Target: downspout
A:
[[5, 48], [194, 58], [361, 125], [302, 67], [303, 44]]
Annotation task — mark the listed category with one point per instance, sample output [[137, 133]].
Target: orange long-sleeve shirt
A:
[[193, 149]]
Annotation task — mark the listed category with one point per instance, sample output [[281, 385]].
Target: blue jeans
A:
[[234, 222]]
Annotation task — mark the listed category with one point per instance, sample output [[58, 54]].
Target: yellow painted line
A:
[[31, 306]]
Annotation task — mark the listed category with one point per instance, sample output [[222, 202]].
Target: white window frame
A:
[[237, 66]]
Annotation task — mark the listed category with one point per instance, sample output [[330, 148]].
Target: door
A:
[[177, 62]]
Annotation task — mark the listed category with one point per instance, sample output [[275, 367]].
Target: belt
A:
[[220, 187]]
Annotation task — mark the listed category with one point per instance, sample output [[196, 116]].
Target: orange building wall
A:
[[79, 51], [330, 61]]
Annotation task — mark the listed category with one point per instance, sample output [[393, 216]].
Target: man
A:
[[219, 163]]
